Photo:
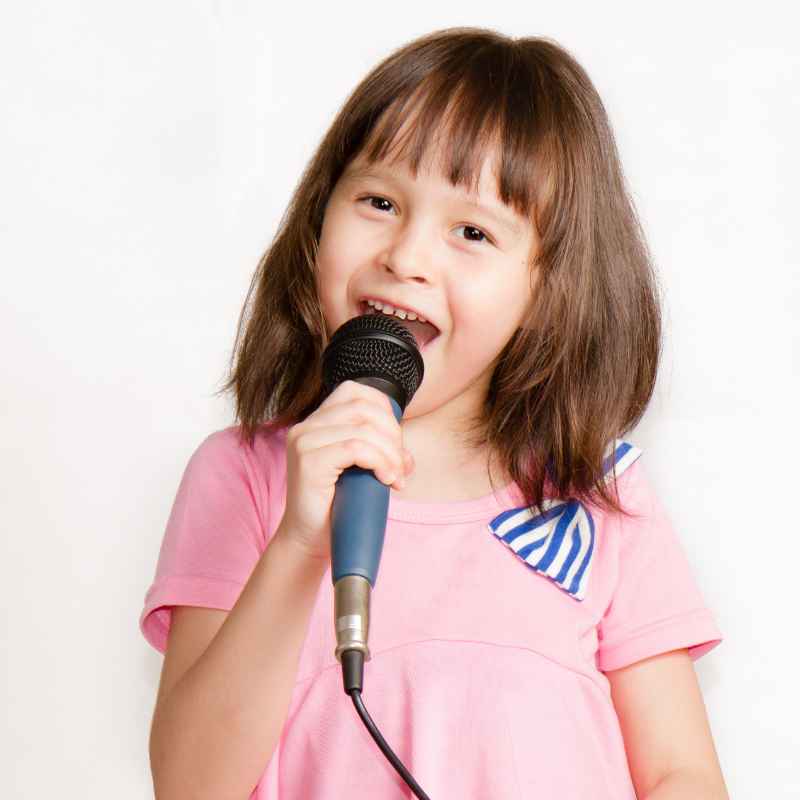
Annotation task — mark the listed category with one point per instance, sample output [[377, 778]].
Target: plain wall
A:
[[147, 153]]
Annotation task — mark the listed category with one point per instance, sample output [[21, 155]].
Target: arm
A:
[[216, 725], [668, 740]]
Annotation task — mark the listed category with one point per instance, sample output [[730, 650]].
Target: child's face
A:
[[414, 243]]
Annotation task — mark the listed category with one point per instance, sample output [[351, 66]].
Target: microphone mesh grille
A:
[[373, 345]]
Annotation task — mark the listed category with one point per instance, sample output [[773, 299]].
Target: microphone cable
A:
[[353, 678]]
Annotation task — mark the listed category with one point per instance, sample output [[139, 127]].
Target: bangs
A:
[[464, 113]]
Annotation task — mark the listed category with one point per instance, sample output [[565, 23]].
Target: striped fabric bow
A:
[[559, 542]]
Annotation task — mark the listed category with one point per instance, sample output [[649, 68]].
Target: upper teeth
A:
[[398, 312]]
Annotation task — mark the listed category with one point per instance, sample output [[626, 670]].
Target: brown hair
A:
[[582, 370]]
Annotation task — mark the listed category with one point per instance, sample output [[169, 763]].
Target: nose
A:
[[409, 252]]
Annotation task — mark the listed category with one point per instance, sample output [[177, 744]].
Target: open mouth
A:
[[423, 332]]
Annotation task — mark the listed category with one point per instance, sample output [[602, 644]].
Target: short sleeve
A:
[[656, 605], [213, 538]]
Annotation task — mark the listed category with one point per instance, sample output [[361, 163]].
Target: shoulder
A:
[[644, 536], [635, 490], [238, 476], [622, 462], [227, 463], [229, 446], [625, 472]]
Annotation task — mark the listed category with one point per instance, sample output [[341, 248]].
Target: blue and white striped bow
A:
[[559, 542]]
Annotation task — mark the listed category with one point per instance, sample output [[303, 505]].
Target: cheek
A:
[[338, 235], [333, 253], [337, 257], [489, 316], [334, 269], [483, 302]]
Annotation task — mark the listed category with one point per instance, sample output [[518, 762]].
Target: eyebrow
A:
[[499, 217]]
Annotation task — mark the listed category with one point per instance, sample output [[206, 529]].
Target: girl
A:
[[536, 619]]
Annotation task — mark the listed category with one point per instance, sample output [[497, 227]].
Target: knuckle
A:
[[363, 407], [345, 389], [364, 426], [352, 445]]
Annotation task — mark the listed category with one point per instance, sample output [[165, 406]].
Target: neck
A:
[[447, 467]]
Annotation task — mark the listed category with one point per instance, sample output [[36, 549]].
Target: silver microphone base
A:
[[351, 614]]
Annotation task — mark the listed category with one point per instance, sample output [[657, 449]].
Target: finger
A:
[[339, 447], [359, 410], [350, 389]]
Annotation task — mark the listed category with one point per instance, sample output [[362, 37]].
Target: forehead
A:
[[432, 167]]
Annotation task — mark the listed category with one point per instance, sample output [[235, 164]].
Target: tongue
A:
[[423, 332]]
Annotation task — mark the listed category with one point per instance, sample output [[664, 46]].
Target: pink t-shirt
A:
[[486, 675]]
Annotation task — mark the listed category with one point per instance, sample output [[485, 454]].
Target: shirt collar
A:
[[558, 542]]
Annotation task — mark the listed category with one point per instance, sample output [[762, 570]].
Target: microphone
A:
[[378, 351]]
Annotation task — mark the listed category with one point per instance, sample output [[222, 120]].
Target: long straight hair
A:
[[582, 371]]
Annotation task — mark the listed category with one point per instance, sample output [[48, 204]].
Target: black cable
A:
[[352, 674]]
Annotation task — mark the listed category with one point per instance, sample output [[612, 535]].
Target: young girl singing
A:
[[535, 620]]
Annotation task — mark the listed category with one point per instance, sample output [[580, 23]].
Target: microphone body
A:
[[358, 528]]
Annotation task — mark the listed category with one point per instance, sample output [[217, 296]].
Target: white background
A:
[[147, 151]]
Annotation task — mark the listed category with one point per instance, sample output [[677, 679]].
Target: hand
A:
[[354, 425]]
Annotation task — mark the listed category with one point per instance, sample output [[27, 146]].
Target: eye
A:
[[374, 197], [478, 231], [472, 228]]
